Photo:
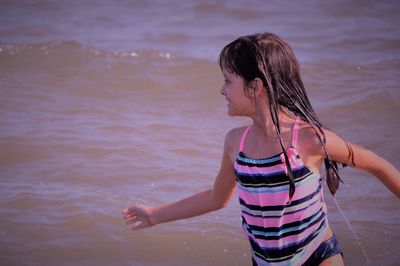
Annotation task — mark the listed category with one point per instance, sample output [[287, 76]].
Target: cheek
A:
[[245, 103]]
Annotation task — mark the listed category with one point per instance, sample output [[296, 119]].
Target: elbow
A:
[[221, 205], [389, 176], [220, 199], [218, 204]]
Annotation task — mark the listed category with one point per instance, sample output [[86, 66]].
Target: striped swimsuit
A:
[[280, 232]]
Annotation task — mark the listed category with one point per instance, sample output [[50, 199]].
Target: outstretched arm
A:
[[361, 158], [212, 199]]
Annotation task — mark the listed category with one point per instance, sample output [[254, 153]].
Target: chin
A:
[[232, 113]]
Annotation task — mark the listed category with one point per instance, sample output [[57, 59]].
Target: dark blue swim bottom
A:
[[326, 249]]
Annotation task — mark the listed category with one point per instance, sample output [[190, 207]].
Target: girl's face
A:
[[233, 89]]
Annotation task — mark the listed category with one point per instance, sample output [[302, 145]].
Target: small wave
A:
[[74, 50], [379, 104], [367, 121], [71, 62], [68, 59]]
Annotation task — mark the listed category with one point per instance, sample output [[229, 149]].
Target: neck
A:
[[262, 120]]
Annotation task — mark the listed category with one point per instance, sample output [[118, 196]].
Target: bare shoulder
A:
[[232, 141], [340, 149], [235, 133], [310, 147], [333, 138], [308, 140], [311, 141], [311, 144]]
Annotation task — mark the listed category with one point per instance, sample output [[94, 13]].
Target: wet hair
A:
[[269, 58]]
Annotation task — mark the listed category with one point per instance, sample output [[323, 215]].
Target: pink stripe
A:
[[243, 139], [267, 199], [279, 221], [292, 239], [278, 198]]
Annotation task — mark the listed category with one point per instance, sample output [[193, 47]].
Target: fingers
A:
[[128, 211], [132, 218], [128, 215], [137, 217], [137, 223]]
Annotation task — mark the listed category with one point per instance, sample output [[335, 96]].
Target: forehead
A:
[[233, 77], [226, 72]]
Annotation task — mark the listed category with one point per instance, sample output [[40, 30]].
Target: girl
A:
[[275, 162]]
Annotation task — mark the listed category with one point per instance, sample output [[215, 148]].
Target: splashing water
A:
[[357, 239]]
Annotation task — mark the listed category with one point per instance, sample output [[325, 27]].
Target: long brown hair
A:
[[269, 58]]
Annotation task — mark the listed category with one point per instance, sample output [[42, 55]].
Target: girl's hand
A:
[[138, 216]]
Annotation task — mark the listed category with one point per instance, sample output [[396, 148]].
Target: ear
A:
[[258, 86]]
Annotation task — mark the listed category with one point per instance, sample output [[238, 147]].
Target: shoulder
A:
[[232, 141], [310, 147], [308, 139], [309, 134], [235, 133], [332, 137], [338, 148]]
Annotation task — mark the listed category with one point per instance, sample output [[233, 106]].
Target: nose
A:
[[222, 91]]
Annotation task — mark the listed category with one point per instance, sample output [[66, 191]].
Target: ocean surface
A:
[[104, 104]]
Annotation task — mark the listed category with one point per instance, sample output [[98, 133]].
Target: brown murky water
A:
[[108, 108]]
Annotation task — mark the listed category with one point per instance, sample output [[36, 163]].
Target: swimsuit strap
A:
[[295, 132], [243, 139]]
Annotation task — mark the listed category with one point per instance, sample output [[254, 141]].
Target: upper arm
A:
[[356, 156], [224, 185], [345, 152], [337, 148]]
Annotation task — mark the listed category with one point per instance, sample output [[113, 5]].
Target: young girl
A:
[[275, 162]]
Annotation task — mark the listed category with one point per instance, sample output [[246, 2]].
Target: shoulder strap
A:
[[295, 132], [243, 139]]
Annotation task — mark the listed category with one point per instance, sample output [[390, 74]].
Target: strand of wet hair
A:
[[304, 110], [273, 106]]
